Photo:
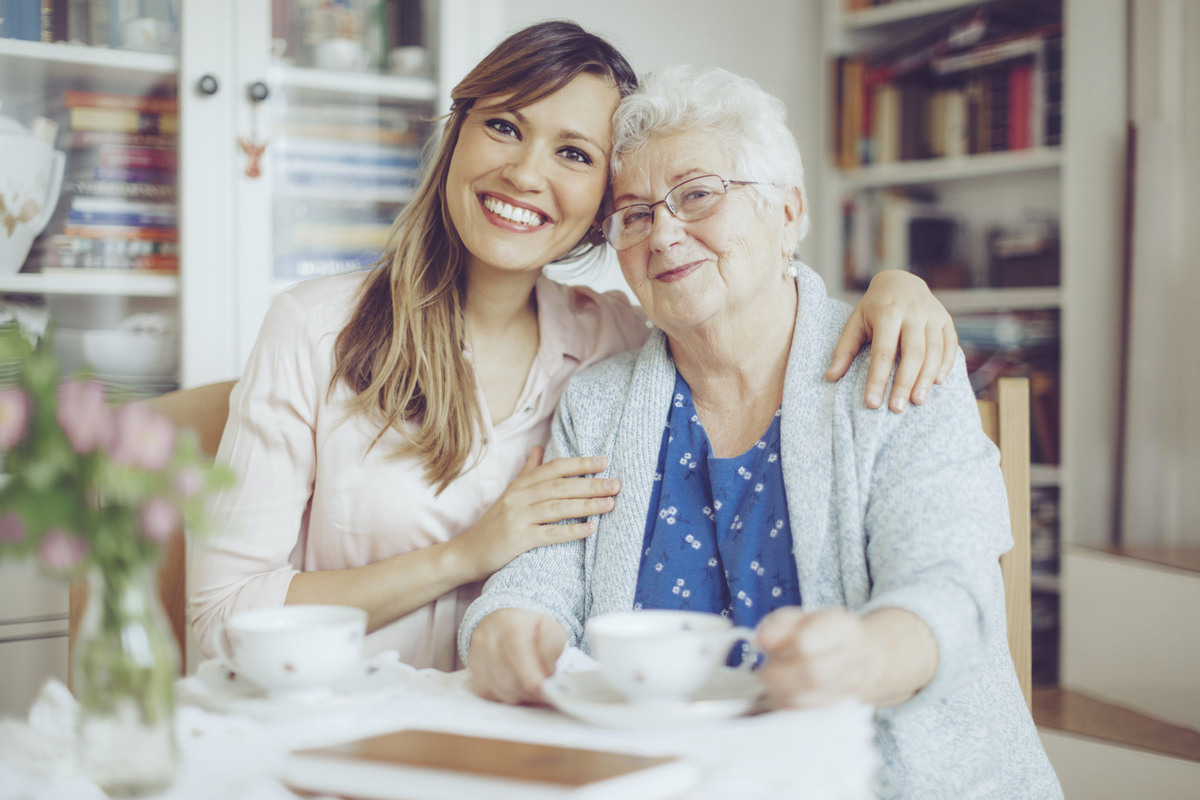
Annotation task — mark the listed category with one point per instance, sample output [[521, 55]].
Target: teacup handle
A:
[[756, 653]]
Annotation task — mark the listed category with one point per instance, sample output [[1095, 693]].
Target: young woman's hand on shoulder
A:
[[525, 516], [898, 315]]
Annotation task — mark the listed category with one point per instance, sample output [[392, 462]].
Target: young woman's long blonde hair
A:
[[402, 351]]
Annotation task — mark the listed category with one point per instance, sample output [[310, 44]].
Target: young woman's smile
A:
[[524, 184]]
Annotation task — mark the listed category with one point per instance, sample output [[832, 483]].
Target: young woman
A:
[[388, 428]]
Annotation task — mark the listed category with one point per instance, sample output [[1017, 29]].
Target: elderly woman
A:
[[751, 485]]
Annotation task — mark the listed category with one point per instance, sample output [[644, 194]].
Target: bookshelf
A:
[[1054, 311]]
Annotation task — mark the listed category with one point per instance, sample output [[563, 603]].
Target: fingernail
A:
[[600, 461], [919, 396], [942, 378], [874, 399], [612, 485], [899, 403]]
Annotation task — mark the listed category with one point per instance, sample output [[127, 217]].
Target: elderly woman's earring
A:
[[791, 270]]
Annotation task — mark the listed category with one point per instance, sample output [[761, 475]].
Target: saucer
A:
[[215, 687], [585, 695]]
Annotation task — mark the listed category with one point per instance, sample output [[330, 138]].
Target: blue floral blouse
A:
[[718, 538]]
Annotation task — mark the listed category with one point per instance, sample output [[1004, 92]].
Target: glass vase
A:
[[124, 669]]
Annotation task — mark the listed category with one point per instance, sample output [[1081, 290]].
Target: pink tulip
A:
[[144, 438], [60, 551], [14, 416], [160, 518], [12, 529], [189, 482], [84, 415]]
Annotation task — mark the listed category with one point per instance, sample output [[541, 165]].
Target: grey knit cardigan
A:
[[887, 510]]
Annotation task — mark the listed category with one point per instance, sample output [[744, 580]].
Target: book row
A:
[[99, 23], [945, 100], [912, 230]]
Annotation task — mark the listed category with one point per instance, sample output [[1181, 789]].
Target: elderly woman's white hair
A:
[[750, 123]]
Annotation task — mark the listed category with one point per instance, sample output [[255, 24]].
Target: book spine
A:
[[116, 16], [98, 23], [77, 245], [140, 157], [910, 120], [132, 175], [73, 98], [77, 21], [987, 55], [1053, 91], [110, 204], [123, 220], [9, 9], [163, 234], [133, 191], [120, 120], [69, 262], [100, 138], [1019, 80]]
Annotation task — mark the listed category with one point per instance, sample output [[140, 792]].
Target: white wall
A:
[[775, 42], [1161, 471]]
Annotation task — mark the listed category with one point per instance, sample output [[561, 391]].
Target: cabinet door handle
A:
[[208, 84], [258, 92]]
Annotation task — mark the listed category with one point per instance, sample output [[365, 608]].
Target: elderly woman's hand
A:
[[512, 651], [816, 659], [898, 313]]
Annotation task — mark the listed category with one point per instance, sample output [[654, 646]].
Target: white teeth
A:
[[521, 216]]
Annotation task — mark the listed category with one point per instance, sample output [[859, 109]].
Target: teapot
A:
[[31, 174]]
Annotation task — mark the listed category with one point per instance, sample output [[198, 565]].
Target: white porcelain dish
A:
[[586, 696], [215, 688]]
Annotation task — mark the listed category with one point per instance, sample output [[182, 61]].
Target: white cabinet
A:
[[878, 199]]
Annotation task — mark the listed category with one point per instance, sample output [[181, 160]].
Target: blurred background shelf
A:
[[91, 284], [903, 11], [961, 168]]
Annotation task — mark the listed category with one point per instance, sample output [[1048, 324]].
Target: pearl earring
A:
[[791, 271]]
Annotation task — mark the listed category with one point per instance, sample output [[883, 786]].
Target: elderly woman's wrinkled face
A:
[[688, 274]]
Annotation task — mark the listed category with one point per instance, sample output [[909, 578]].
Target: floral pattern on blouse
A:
[[718, 537]]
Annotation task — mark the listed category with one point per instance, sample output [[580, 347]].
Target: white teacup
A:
[[296, 651], [659, 655]]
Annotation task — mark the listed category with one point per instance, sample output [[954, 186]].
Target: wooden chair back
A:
[[202, 410], [1006, 422]]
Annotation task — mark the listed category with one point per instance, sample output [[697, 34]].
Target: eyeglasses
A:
[[692, 200]]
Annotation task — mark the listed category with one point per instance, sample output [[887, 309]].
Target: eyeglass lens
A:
[[689, 201]]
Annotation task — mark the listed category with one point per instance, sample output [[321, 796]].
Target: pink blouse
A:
[[310, 495]]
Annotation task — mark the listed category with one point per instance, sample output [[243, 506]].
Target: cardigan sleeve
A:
[[936, 523], [269, 443], [548, 579]]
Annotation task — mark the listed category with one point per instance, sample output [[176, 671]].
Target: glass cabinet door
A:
[[89, 234], [352, 113], [338, 102]]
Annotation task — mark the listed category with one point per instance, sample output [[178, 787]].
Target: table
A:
[[822, 753]]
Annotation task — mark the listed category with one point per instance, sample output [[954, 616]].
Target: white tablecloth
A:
[[818, 754]]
